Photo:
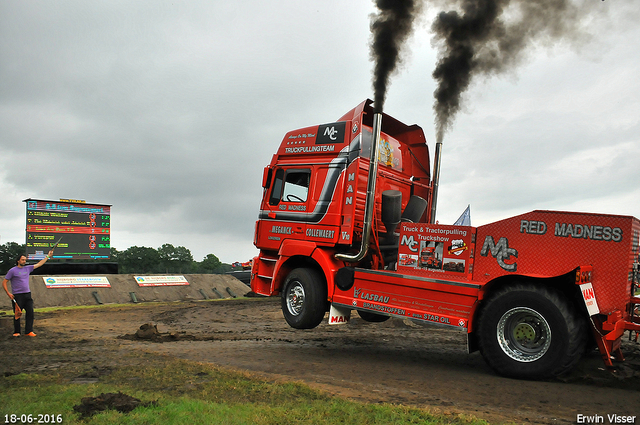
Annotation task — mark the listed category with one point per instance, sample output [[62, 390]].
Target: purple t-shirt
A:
[[19, 277]]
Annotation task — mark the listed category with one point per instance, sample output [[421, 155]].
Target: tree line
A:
[[137, 259]]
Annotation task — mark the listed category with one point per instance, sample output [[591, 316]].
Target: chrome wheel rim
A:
[[295, 298], [524, 334]]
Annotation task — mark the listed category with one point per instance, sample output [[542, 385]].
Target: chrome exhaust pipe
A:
[[371, 196], [436, 180]]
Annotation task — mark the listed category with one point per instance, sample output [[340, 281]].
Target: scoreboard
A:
[[81, 230]]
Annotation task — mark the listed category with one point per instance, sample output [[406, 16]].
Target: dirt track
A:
[[395, 361]]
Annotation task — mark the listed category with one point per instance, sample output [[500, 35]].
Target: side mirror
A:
[[266, 177]]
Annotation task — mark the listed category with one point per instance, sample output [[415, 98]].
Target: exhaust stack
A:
[[436, 179], [371, 195]]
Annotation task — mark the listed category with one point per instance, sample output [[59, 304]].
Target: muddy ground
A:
[[394, 362]]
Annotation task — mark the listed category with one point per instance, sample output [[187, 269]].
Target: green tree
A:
[[9, 252], [113, 254], [210, 264], [139, 259], [224, 268], [175, 259]]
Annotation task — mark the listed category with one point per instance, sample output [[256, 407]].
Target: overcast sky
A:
[[169, 111]]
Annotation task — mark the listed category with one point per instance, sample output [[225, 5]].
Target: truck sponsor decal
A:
[[409, 242], [357, 293], [320, 233], [384, 309], [302, 135], [577, 231], [293, 207], [427, 233], [434, 318], [435, 248], [310, 149], [283, 230], [386, 155], [331, 133], [596, 233], [456, 232], [500, 252], [533, 227], [589, 299], [457, 247]]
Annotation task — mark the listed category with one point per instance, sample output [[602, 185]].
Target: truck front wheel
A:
[[304, 298], [530, 332]]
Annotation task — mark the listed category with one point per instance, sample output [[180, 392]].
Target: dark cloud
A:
[[170, 112], [490, 37]]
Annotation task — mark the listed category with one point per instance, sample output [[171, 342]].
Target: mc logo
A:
[[331, 132], [409, 242], [500, 252]]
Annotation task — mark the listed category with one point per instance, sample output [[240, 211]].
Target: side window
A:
[[274, 199], [290, 186], [296, 186]]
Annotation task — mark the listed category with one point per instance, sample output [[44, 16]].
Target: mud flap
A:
[[339, 315]]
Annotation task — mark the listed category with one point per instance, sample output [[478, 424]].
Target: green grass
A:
[[194, 393]]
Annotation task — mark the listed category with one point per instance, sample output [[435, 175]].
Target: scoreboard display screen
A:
[[80, 230]]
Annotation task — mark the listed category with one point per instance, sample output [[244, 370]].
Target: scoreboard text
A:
[[81, 230]]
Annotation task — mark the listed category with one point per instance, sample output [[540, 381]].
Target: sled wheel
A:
[[304, 298], [530, 332], [372, 317]]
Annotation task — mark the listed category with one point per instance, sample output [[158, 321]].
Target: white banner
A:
[[589, 298], [161, 280], [339, 315], [76, 282]]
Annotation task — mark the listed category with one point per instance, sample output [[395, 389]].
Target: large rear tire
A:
[[304, 298], [530, 332]]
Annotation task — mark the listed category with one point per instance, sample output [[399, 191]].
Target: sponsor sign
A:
[[589, 298], [435, 248], [76, 282], [161, 280]]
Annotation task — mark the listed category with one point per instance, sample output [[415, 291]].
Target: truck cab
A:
[[315, 189]]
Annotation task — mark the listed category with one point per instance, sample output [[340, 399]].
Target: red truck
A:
[[347, 208], [428, 258]]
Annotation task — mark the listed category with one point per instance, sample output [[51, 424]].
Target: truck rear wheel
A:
[[304, 298], [530, 332]]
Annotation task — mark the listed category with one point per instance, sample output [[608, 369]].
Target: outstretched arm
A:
[[44, 260]]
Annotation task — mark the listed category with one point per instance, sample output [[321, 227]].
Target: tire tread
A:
[[576, 332]]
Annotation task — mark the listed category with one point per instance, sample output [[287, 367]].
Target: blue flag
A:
[[465, 218]]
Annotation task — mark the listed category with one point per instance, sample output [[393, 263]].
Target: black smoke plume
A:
[[391, 26], [486, 37]]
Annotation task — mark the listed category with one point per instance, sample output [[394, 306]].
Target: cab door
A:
[[285, 213]]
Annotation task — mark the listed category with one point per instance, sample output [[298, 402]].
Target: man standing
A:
[[21, 293]]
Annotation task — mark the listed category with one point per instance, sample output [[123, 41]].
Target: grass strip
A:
[[189, 392]]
